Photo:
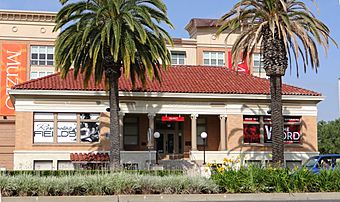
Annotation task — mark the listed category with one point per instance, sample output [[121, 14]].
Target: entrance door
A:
[[170, 142], [165, 143]]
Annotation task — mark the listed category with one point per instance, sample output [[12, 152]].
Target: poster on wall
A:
[[242, 66], [291, 130], [89, 127], [89, 132], [251, 133], [43, 132], [13, 71], [67, 132]]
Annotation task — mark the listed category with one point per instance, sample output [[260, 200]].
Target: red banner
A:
[[242, 66], [13, 71], [173, 118]]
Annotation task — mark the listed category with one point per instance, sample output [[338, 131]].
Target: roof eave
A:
[[18, 92]]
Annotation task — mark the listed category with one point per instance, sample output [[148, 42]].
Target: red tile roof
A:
[[177, 79]]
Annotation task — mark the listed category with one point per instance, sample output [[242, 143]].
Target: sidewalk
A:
[[185, 197]]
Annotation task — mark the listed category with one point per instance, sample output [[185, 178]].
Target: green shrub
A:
[[255, 179], [103, 184]]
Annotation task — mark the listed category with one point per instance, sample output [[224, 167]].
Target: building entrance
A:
[[170, 143]]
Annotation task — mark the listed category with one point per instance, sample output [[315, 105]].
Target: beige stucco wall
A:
[[207, 36], [190, 51], [27, 25], [40, 31]]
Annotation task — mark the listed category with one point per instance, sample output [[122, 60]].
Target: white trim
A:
[[159, 107], [14, 92]]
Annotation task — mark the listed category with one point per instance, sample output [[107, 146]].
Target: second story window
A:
[[258, 63], [42, 61], [42, 55], [178, 57], [213, 58], [39, 74]]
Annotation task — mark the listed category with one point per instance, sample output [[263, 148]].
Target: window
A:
[[201, 127], [213, 58], [42, 61], [42, 165], [131, 131], [251, 129], [258, 129], [177, 57], [67, 127], [258, 63], [42, 55], [43, 128], [39, 74], [71, 127], [65, 165]]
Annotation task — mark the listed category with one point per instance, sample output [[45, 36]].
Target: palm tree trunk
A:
[[114, 121], [277, 120]]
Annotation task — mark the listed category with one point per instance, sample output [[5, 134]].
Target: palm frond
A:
[[97, 35], [289, 21]]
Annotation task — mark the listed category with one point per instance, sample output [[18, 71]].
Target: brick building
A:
[[56, 123]]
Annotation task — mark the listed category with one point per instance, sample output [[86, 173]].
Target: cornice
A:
[[27, 16]]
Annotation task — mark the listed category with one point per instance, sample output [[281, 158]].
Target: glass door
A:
[[170, 143], [165, 143]]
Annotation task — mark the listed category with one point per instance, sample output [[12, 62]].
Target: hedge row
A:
[[244, 180], [254, 179], [104, 184]]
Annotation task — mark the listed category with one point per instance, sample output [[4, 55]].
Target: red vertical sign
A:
[[13, 71], [242, 66]]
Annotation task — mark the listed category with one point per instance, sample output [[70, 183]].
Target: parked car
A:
[[326, 161]]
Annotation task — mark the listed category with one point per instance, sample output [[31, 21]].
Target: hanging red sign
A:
[[242, 65], [173, 118]]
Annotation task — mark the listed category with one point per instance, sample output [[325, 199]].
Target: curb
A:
[[335, 196]]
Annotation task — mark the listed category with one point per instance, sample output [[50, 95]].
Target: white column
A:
[[121, 130], [152, 126], [222, 133], [193, 132]]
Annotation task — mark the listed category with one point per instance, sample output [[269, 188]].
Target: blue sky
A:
[[181, 11]]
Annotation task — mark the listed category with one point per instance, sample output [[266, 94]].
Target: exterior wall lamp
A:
[[204, 136], [156, 135]]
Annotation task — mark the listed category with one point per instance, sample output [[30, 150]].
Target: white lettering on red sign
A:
[[12, 77]]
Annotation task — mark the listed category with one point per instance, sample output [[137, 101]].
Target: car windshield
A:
[[310, 162]]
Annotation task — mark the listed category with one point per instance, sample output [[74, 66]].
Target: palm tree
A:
[[282, 29], [108, 37]]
